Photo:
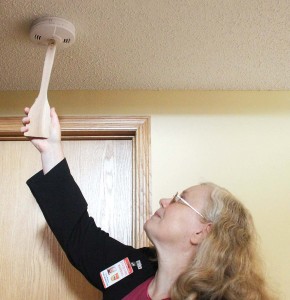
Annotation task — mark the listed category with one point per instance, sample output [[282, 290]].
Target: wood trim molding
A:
[[135, 128]]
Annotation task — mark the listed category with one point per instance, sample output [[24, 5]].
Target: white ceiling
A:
[[152, 44]]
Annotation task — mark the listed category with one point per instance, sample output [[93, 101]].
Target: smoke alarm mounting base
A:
[[52, 30]]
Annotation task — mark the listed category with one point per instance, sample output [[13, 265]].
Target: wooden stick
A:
[[39, 113]]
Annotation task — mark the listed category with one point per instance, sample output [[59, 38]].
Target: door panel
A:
[[103, 170], [32, 264]]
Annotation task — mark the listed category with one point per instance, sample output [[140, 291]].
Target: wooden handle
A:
[[48, 63], [39, 113]]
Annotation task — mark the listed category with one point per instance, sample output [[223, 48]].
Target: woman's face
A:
[[175, 224]]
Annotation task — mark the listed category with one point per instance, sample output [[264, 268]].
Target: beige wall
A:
[[240, 140]]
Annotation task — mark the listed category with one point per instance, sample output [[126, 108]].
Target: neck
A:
[[170, 267]]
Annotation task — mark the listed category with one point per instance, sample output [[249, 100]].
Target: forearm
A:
[[51, 157]]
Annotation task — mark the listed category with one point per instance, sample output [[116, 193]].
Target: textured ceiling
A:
[[152, 44]]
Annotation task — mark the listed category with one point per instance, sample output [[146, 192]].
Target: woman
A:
[[204, 239]]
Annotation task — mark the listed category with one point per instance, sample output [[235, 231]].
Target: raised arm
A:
[[88, 248]]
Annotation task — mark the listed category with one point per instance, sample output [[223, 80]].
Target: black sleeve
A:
[[87, 247]]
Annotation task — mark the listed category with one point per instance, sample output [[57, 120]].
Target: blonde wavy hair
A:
[[226, 265]]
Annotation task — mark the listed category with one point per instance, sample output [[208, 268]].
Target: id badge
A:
[[116, 272]]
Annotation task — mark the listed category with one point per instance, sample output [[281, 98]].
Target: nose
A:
[[164, 202]]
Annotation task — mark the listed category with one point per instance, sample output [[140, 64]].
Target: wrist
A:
[[51, 148], [51, 156]]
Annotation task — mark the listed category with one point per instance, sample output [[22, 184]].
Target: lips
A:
[[157, 214]]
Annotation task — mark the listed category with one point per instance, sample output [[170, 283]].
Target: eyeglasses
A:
[[177, 198]]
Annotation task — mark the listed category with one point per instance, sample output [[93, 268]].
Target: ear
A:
[[199, 235]]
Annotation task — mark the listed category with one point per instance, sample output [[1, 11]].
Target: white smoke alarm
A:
[[47, 30]]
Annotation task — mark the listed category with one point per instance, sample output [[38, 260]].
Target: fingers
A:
[[26, 110], [24, 129], [25, 121]]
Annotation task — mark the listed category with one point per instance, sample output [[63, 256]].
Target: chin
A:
[[146, 228], [150, 228]]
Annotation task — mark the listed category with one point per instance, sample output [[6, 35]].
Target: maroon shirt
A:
[[141, 291]]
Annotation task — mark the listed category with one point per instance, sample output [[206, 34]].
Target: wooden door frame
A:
[[98, 127]]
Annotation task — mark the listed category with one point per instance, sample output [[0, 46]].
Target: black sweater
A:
[[87, 247]]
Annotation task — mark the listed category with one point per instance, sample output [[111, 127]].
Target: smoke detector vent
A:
[[47, 30]]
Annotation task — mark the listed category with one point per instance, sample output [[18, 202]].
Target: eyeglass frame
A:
[[187, 204]]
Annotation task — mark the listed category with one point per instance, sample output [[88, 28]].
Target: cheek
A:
[[180, 227], [177, 230]]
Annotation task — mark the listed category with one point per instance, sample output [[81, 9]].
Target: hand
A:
[[54, 140], [50, 148]]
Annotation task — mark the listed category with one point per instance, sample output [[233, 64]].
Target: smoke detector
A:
[[47, 30]]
